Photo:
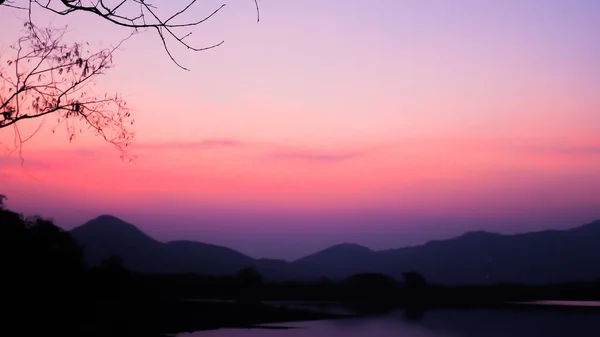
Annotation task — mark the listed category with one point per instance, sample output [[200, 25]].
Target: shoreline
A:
[[290, 316]]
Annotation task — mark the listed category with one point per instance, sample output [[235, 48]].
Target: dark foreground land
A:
[[47, 290]]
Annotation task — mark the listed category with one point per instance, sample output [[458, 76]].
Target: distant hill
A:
[[474, 257], [106, 235], [340, 261], [481, 257]]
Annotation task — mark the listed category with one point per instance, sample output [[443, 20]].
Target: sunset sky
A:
[[381, 122]]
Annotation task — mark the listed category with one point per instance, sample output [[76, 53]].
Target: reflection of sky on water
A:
[[441, 323]]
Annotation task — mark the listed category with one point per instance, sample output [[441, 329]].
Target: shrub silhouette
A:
[[414, 279], [250, 285], [415, 291], [371, 292], [41, 267], [47, 290]]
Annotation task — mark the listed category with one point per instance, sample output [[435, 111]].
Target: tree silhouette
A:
[[414, 279], [416, 295], [2, 198], [41, 266], [249, 275], [47, 77], [36, 245], [371, 292], [133, 14], [113, 264], [249, 282], [46, 289]]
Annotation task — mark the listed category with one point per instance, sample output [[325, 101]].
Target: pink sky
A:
[[428, 118]]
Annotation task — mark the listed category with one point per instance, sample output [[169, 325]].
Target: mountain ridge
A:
[[473, 257]]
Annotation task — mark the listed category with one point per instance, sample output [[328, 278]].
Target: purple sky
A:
[[385, 123]]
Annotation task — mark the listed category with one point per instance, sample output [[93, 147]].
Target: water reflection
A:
[[522, 323], [440, 323]]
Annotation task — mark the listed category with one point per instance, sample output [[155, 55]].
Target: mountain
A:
[[475, 257], [106, 235], [202, 258], [535, 258], [340, 261]]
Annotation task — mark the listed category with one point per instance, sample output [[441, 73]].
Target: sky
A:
[[384, 123]]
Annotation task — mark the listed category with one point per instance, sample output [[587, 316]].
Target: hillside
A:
[[106, 235], [474, 257]]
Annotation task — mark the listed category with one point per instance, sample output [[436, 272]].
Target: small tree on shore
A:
[[414, 279]]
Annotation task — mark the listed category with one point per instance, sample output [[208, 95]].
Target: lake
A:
[[437, 323]]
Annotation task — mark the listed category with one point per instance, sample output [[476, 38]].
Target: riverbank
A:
[[189, 316], [202, 315]]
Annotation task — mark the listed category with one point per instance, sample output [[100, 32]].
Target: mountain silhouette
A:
[[551, 256], [105, 236], [340, 261]]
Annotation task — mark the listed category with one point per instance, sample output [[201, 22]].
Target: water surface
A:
[[566, 303], [441, 323]]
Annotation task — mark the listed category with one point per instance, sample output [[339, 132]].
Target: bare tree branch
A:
[[8, 3], [134, 14], [51, 78]]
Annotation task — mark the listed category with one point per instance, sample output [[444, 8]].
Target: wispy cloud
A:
[[87, 152], [272, 150], [15, 161], [584, 150], [579, 150], [317, 156], [204, 144], [262, 150], [13, 168]]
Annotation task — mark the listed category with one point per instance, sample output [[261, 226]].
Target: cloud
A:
[[327, 156], [16, 162], [55, 158], [205, 144], [587, 150], [87, 152], [273, 150], [579, 150], [317, 156]]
